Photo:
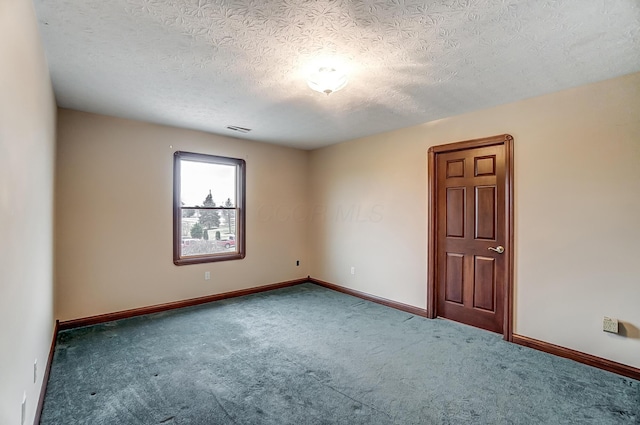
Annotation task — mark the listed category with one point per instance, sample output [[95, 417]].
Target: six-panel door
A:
[[471, 219]]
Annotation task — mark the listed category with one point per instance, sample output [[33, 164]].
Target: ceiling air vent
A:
[[238, 129]]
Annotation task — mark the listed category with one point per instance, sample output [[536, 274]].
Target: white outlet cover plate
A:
[[610, 325], [24, 407]]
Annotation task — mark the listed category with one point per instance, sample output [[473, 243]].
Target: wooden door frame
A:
[[507, 141]]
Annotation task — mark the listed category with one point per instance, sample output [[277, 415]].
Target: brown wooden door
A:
[[470, 214]]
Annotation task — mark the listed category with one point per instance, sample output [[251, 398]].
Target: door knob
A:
[[499, 249]]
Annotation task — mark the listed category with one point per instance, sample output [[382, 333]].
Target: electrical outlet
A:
[[207, 275], [353, 270], [23, 415], [610, 325], [297, 263], [35, 371]]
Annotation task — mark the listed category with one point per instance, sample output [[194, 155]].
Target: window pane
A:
[[198, 179], [196, 240], [208, 208]]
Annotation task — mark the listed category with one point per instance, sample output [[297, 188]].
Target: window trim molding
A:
[[240, 164]]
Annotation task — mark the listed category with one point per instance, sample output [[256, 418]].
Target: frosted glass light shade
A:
[[327, 80]]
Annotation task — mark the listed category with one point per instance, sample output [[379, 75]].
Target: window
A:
[[208, 208]]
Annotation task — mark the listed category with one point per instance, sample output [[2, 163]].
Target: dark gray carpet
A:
[[309, 355]]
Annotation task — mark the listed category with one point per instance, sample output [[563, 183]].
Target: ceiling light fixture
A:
[[327, 80]]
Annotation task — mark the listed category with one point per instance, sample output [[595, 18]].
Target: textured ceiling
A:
[[207, 64]]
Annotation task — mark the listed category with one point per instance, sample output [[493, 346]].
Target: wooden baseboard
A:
[[102, 318], [578, 356], [45, 377], [379, 300]]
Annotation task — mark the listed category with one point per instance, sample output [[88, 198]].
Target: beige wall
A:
[[27, 130], [114, 194], [577, 185], [577, 203]]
